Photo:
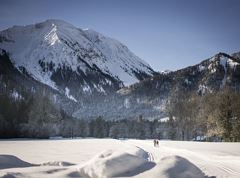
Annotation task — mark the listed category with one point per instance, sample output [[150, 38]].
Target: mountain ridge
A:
[[54, 46], [210, 75]]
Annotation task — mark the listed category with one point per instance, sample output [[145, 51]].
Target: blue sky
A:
[[169, 34]]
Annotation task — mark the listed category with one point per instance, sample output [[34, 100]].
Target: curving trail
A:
[[213, 159]]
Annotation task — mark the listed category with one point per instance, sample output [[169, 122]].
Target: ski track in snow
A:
[[218, 166]]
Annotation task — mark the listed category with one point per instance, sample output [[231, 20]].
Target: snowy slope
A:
[[119, 64], [45, 47]]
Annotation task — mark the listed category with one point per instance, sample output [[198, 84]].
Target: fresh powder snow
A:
[[105, 158]]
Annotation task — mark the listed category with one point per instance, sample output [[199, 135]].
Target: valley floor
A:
[[100, 158]]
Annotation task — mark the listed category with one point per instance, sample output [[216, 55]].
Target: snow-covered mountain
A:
[[72, 60], [211, 74], [149, 97]]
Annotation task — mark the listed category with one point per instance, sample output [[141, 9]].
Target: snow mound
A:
[[176, 166], [9, 161], [115, 164]]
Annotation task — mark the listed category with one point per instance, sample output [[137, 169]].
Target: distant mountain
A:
[[210, 75], [70, 60]]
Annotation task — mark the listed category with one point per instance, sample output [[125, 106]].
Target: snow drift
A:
[[115, 164], [10, 161]]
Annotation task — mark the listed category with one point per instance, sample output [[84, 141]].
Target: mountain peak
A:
[[54, 46], [54, 22], [224, 56]]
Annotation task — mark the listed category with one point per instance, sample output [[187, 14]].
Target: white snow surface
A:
[[67, 93], [15, 95], [201, 68], [232, 64], [164, 119], [203, 89], [102, 158], [63, 44]]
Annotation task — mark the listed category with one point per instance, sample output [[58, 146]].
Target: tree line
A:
[[213, 117], [35, 116]]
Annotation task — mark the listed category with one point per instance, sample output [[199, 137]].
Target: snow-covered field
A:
[[98, 158]]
